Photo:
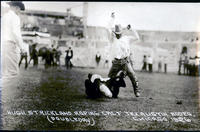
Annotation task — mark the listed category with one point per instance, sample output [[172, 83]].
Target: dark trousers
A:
[[35, 60], [165, 68], [92, 89], [47, 63], [97, 61], [124, 65], [68, 62], [159, 67], [150, 67], [144, 67], [26, 61]]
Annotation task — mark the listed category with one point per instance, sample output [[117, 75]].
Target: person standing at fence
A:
[[165, 64], [144, 67], [69, 56], [98, 58], [150, 63], [106, 58], [197, 65], [186, 63], [182, 60], [160, 64], [120, 56]]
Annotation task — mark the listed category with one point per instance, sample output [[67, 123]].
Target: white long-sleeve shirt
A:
[[11, 30], [121, 47]]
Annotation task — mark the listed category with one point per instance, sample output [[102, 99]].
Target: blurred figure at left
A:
[[4, 8], [12, 42], [11, 45]]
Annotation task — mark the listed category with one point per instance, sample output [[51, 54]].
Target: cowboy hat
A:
[[117, 29]]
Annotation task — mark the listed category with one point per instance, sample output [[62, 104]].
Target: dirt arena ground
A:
[[58, 89]]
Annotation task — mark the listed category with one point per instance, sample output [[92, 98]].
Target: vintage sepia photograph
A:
[[96, 66]]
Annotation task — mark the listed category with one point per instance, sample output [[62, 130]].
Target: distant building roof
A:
[[48, 14]]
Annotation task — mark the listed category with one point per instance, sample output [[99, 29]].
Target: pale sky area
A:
[[142, 16]]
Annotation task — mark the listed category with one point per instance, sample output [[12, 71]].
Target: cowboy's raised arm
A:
[[110, 26], [136, 35]]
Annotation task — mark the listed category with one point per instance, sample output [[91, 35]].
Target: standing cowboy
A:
[[121, 54]]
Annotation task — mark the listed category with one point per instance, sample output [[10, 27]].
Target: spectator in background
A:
[[165, 64], [186, 63], [129, 27], [199, 64], [48, 58], [181, 62], [197, 59], [57, 56], [53, 55], [106, 59], [191, 66], [34, 55], [160, 64], [69, 56], [194, 66], [182, 59], [150, 63], [106, 63], [144, 67], [98, 58]]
